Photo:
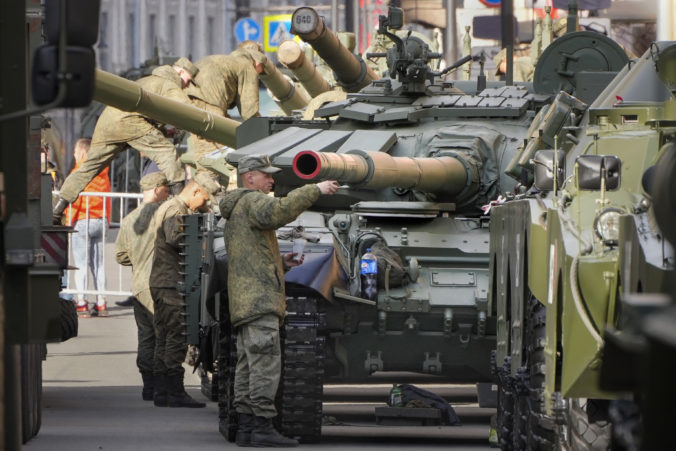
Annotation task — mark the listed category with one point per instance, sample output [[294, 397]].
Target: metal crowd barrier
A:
[[119, 290]]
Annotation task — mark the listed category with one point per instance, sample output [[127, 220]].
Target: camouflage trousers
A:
[[259, 366], [170, 344], [153, 145], [145, 357]]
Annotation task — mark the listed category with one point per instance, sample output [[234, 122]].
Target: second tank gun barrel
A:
[[127, 95], [351, 71], [377, 170]]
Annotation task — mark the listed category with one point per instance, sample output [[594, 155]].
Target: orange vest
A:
[[78, 209]]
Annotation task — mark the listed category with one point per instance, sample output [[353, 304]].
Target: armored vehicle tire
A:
[[505, 416], [589, 427], [539, 435], [31, 389], [68, 319], [586, 420]]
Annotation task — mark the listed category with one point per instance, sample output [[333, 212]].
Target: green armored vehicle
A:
[[564, 254], [418, 158]]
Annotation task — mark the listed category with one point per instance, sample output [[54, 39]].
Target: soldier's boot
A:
[[58, 210], [264, 434], [245, 425], [176, 395], [176, 188], [148, 385], [160, 390]]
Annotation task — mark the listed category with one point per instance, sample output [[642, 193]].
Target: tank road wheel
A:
[[299, 398]]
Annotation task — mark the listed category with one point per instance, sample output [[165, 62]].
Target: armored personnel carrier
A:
[[418, 158], [573, 258]]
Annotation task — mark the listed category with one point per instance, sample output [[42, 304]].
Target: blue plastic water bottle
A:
[[369, 275]]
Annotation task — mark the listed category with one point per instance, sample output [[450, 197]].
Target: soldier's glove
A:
[[59, 208]]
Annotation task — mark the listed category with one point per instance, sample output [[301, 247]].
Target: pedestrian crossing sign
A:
[[276, 29]]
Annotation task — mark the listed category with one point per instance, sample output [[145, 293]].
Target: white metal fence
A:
[[121, 286]]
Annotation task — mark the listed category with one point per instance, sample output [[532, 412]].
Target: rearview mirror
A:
[[592, 169], [543, 167]]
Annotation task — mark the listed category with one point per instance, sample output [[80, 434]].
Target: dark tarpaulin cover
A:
[[411, 392]]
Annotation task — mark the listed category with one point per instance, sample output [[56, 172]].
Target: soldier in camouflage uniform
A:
[[134, 247], [223, 82], [523, 68], [170, 344], [256, 291], [116, 129]]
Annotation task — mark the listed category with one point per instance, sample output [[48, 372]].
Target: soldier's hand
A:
[[290, 261], [328, 187]]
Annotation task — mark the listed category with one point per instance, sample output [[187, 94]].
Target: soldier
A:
[[223, 82], [116, 129], [256, 291], [523, 68], [134, 247], [170, 345]]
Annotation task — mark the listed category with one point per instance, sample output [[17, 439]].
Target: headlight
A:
[[607, 225]]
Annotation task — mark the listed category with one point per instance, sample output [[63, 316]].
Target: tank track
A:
[[227, 361], [299, 398]]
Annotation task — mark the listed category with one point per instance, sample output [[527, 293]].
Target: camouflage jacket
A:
[[227, 81], [118, 126], [134, 247], [167, 225], [255, 267]]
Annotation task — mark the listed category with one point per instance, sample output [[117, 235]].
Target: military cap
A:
[[205, 181], [153, 180], [256, 163], [185, 64]]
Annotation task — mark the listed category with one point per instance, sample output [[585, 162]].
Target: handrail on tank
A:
[[128, 95]]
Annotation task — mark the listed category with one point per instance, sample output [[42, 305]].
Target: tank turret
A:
[[127, 95], [292, 56], [350, 70]]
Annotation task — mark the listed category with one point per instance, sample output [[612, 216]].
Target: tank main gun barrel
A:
[[351, 71], [127, 95], [377, 170], [292, 56], [285, 93]]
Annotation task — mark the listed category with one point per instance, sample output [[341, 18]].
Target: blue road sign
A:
[[247, 29]]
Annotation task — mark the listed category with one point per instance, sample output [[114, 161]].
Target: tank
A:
[[585, 265], [419, 160]]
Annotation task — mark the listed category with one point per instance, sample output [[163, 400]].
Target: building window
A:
[[191, 37], [152, 35], [172, 35], [210, 35]]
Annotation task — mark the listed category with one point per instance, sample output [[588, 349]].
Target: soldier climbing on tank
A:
[[116, 129], [256, 291], [223, 82]]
